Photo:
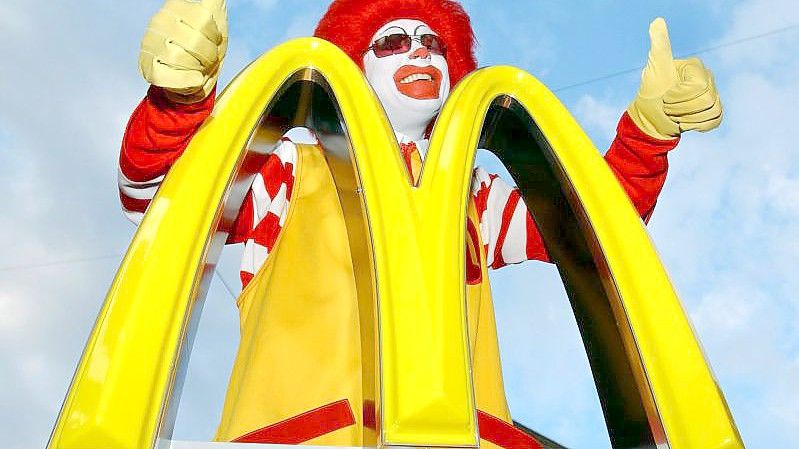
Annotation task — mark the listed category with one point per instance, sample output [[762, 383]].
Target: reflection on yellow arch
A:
[[650, 371]]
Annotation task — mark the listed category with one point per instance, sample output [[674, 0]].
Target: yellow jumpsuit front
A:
[[300, 349]]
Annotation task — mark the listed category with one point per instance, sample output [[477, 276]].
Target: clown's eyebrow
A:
[[393, 27], [416, 31]]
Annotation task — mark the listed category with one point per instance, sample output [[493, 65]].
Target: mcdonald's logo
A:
[[654, 383]]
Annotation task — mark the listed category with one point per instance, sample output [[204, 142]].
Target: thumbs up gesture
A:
[[676, 95], [183, 48]]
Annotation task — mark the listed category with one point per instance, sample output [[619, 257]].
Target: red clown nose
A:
[[350, 24]]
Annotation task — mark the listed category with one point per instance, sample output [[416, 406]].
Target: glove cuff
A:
[[648, 116], [194, 97]]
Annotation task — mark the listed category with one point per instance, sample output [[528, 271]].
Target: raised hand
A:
[[183, 48], [675, 95]]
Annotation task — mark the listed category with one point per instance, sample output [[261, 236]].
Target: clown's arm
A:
[[510, 234], [159, 131], [181, 54], [675, 96]]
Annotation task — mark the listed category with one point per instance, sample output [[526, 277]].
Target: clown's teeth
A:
[[416, 77]]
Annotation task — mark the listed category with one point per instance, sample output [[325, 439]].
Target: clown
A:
[[297, 375]]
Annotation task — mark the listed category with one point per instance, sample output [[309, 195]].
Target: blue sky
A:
[[726, 225]]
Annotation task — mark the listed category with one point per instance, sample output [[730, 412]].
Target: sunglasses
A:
[[400, 43]]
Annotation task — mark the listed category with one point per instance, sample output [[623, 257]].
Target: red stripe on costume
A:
[[369, 414], [245, 278], [507, 214], [406, 149], [497, 431], [272, 172], [474, 272], [535, 243], [288, 178], [301, 428], [275, 172], [481, 197], [267, 230], [133, 204], [242, 225]]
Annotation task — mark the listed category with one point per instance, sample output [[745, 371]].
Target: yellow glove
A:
[[675, 95], [183, 48]]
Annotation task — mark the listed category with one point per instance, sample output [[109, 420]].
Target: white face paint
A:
[[412, 86]]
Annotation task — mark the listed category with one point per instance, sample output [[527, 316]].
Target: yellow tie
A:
[[413, 160]]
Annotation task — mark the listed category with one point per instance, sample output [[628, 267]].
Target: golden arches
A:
[[644, 350]]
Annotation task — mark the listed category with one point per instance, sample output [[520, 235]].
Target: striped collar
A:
[[421, 144]]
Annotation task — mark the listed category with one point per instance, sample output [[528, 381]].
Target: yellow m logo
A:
[[653, 381]]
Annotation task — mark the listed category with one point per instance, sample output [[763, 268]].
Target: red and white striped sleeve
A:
[[267, 203], [158, 132], [509, 233]]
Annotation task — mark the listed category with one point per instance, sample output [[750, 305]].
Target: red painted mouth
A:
[[421, 83]]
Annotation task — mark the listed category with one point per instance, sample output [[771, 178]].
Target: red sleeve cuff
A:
[[642, 142], [157, 133], [158, 98]]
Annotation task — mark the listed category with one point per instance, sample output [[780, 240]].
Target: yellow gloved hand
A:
[[183, 48], [675, 95]]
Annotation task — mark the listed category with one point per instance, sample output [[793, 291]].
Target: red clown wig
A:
[[350, 24]]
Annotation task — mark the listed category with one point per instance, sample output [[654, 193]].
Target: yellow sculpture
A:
[[422, 381]]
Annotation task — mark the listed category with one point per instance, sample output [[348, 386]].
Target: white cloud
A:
[[599, 115], [728, 224], [512, 42], [737, 306], [727, 227], [66, 98], [750, 18], [263, 5], [14, 313], [13, 21]]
